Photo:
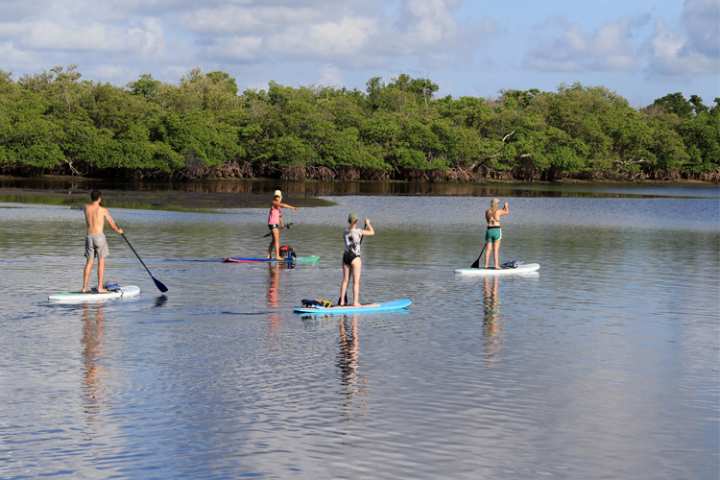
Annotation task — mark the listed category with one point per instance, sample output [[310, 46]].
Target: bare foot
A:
[[84, 290], [357, 305], [101, 290]]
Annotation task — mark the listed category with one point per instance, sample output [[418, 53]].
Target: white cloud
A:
[[236, 48], [144, 38], [626, 45], [13, 57], [346, 36], [701, 19], [349, 32], [147, 37], [237, 19], [694, 49], [166, 35], [109, 73], [430, 21], [672, 55], [330, 76], [611, 47]]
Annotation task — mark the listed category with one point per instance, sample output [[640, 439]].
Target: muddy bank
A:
[[479, 174], [175, 200]]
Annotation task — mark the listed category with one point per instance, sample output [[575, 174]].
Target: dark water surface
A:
[[605, 365], [206, 190]]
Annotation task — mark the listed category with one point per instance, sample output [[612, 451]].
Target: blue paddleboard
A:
[[391, 306]]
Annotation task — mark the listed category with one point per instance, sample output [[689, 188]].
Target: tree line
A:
[[55, 122]]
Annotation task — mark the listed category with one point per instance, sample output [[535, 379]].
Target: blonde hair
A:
[[494, 204]]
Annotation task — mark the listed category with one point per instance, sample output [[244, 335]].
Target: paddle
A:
[[476, 263], [160, 286], [283, 228]]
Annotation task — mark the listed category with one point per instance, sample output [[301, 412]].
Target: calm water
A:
[[605, 365]]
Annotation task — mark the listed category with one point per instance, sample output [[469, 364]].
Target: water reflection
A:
[[491, 318], [348, 361], [375, 187], [93, 317], [273, 296], [161, 301]]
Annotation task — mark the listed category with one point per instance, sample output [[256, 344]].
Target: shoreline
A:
[[214, 196], [170, 200], [489, 181]]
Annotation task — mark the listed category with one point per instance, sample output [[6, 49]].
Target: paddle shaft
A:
[[476, 263], [283, 228], [161, 286]]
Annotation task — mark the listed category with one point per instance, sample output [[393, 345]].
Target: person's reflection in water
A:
[[93, 317], [348, 362], [491, 320], [273, 296]]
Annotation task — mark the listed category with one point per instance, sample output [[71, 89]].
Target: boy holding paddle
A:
[[95, 241]]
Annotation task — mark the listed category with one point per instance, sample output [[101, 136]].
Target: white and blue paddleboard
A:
[[391, 306], [127, 291], [522, 269]]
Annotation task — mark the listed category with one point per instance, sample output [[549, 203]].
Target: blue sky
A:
[[641, 49]]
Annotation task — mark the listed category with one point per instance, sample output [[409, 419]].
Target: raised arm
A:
[[112, 224], [368, 230], [287, 205], [505, 210]]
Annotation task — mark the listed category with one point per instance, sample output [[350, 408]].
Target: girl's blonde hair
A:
[[494, 204]]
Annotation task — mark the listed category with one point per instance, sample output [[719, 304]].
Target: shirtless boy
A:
[[95, 242]]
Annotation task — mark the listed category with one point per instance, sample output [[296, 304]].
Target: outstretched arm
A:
[[287, 205], [112, 223]]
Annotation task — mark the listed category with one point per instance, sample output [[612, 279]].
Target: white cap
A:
[[277, 193]]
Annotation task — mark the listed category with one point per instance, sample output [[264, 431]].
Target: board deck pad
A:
[[127, 291], [523, 268], [391, 306]]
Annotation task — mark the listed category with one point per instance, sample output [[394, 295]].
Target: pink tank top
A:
[[274, 216]]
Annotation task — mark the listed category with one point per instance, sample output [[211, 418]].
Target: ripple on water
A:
[[604, 365]]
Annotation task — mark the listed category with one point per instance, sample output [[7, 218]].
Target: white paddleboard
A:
[[128, 291], [521, 269]]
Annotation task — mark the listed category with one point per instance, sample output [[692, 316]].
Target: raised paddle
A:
[[160, 286], [476, 263], [283, 228]]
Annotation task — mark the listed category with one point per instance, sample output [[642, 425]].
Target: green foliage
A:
[[56, 122], [675, 103]]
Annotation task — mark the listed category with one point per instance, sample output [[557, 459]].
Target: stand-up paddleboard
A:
[[521, 269], [308, 260], [127, 291], [391, 306]]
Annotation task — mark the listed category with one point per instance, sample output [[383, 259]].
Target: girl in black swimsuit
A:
[[352, 263]]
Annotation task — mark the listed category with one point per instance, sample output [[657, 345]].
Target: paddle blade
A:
[[476, 263], [160, 286]]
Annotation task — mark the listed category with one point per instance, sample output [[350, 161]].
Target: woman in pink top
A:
[[275, 223]]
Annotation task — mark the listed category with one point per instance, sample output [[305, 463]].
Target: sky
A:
[[640, 49]]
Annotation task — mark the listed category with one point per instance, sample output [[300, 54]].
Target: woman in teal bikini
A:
[[493, 235]]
